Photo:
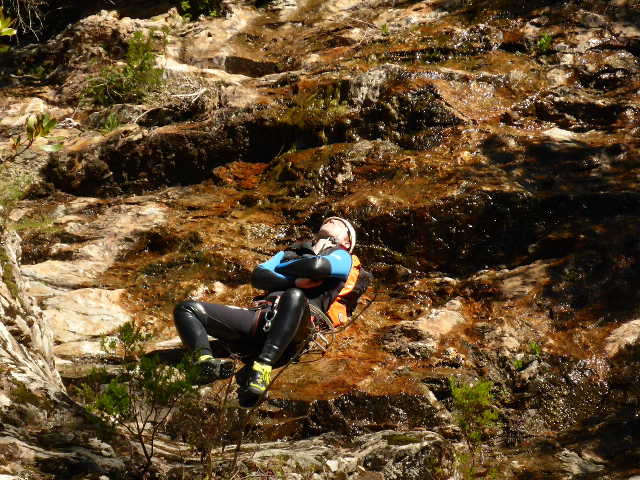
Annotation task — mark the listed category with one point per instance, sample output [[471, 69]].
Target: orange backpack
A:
[[338, 311]]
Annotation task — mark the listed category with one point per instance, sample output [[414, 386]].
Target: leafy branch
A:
[[35, 126], [142, 396], [5, 29]]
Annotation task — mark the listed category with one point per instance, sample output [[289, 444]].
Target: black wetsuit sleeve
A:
[[265, 279], [310, 267]]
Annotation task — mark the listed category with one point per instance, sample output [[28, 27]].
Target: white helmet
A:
[[351, 231]]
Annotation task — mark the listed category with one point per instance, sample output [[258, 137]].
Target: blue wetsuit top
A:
[[280, 271]]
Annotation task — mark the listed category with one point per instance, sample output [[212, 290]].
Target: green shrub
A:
[[476, 416], [193, 9], [142, 395], [110, 123], [131, 82], [544, 43]]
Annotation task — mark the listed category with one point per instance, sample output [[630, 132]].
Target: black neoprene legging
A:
[[243, 328]]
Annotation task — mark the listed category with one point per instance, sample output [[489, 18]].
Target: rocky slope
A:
[[488, 153]]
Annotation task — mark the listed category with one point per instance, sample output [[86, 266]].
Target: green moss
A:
[[13, 189], [21, 395], [39, 224], [317, 111], [402, 439], [8, 275]]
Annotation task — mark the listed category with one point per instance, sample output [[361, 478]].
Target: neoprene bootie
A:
[[211, 369]]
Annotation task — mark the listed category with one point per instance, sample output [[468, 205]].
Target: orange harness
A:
[[338, 310]]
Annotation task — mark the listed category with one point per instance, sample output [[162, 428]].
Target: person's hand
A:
[[307, 283], [324, 243]]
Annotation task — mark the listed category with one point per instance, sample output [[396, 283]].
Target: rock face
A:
[[77, 311], [26, 348], [41, 431], [382, 455]]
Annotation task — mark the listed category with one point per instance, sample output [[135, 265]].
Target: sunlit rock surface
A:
[[42, 430]]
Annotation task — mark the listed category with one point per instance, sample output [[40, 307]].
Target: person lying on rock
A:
[[321, 272]]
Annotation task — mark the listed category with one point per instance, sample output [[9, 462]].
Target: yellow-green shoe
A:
[[259, 378]]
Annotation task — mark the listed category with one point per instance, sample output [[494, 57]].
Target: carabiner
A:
[[268, 317]]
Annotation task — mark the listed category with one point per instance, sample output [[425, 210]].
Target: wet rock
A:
[[608, 70], [357, 412], [386, 454], [622, 336], [407, 339], [590, 19], [576, 111], [539, 223], [242, 174], [504, 339], [365, 89], [577, 467], [419, 338], [251, 68], [559, 76], [98, 241]]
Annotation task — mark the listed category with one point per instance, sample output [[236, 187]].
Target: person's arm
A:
[[264, 276], [336, 264]]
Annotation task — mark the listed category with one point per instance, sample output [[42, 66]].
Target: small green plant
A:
[[205, 423], [5, 29], [132, 81], [518, 364], [110, 123], [385, 30], [5, 25], [544, 44], [476, 416], [143, 394], [35, 126], [535, 349], [192, 9]]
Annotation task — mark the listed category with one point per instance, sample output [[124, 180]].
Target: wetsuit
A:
[[252, 332]]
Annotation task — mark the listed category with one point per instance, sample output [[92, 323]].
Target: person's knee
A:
[[186, 311], [295, 296]]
